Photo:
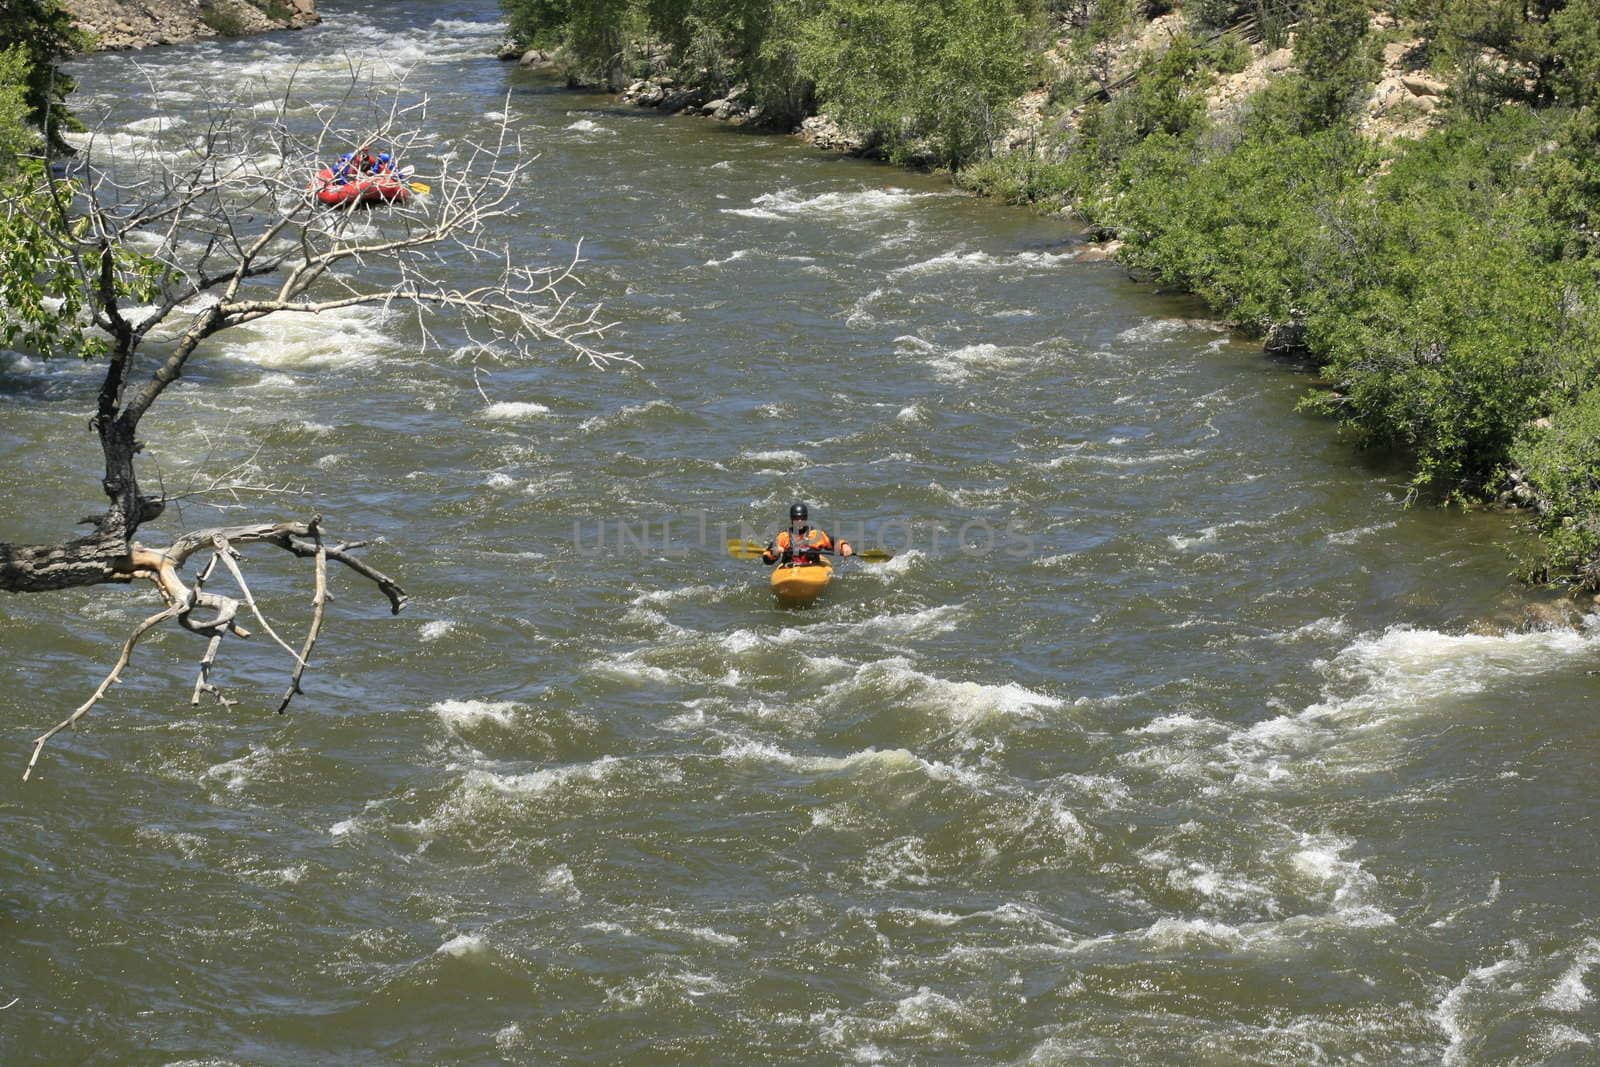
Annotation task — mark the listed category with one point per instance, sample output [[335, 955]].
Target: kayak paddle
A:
[[751, 550], [421, 187]]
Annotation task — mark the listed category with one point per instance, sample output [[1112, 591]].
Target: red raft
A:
[[370, 189]]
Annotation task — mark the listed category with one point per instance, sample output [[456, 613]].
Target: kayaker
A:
[[366, 162], [801, 542]]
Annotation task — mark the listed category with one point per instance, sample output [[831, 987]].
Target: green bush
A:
[[927, 79], [43, 33], [227, 21], [1561, 463], [1024, 178], [17, 136]]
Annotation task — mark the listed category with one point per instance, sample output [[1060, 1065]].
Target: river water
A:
[[1168, 735]]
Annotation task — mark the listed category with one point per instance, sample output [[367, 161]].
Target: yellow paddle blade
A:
[[874, 555], [744, 549], [421, 187]]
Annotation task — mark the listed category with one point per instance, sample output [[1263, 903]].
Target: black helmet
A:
[[797, 512]]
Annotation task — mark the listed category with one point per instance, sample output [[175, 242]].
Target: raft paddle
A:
[[751, 550], [420, 187]]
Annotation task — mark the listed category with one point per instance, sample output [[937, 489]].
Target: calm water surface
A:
[[1215, 755]]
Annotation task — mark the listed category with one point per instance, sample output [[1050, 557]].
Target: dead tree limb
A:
[[165, 246]]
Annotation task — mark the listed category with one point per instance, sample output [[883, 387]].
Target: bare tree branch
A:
[[169, 243]]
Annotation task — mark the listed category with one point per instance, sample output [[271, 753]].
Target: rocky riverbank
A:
[[122, 24]]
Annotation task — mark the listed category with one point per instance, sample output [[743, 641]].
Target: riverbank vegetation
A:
[[1405, 193]]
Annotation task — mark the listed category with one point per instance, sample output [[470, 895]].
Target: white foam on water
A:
[[1570, 993], [588, 126], [1400, 674], [960, 701], [664, 986], [274, 382], [936, 620], [959, 261], [1170, 933], [559, 882], [341, 337], [912, 413], [624, 415], [1449, 1013], [463, 946], [1081, 456], [463, 714], [292, 875], [882, 761], [313, 429], [1404, 667], [630, 667], [1562, 1036], [155, 123], [670, 596], [960, 364], [1350, 537], [432, 631], [1165, 329], [930, 1014], [1327, 626], [892, 569], [1206, 536], [788, 458], [483, 793], [510, 1037], [1177, 723], [733, 257], [233, 775], [700, 933], [499, 480], [910, 344], [1319, 859], [514, 410], [788, 204]]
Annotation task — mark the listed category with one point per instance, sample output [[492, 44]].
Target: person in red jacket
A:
[[801, 543]]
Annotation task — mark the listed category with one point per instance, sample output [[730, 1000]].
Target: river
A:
[[1169, 735]]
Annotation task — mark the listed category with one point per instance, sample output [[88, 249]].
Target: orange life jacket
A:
[[811, 541]]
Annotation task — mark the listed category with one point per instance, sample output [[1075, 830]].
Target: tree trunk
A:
[[93, 560]]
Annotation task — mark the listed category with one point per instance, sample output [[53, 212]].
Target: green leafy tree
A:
[[43, 33], [937, 76], [1336, 59], [17, 135]]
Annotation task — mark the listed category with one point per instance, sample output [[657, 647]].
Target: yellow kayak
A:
[[796, 585]]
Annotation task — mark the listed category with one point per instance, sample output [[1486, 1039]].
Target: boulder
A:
[[536, 59], [1285, 338], [1099, 252], [683, 98], [1422, 85], [820, 131]]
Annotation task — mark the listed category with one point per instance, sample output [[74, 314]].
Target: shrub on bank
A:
[[928, 81], [1561, 463]]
